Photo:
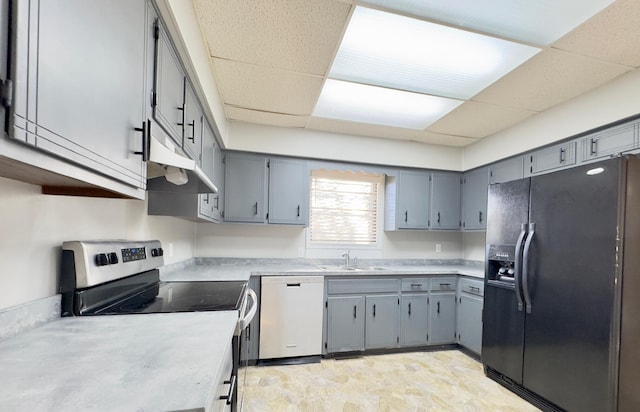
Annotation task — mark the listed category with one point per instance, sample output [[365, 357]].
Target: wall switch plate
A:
[[170, 249], [438, 248]]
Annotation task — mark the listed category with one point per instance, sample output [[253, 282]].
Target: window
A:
[[344, 208]]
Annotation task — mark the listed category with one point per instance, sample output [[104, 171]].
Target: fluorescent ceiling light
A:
[[398, 52], [378, 105], [532, 21]]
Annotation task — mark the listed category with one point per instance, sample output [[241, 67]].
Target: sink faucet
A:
[[346, 257]]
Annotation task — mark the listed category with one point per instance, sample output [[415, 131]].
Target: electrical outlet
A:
[[170, 249], [438, 248]]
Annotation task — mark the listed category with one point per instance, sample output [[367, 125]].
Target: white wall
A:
[[473, 245], [611, 102], [332, 146], [33, 227]]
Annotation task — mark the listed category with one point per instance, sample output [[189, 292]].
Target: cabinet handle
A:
[[298, 210], [293, 285], [217, 200], [406, 216], [207, 198], [480, 216], [594, 146], [255, 208], [146, 142], [409, 309], [374, 310], [416, 285], [247, 335], [438, 217], [438, 304], [193, 132], [355, 314], [562, 157], [477, 289], [445, 285], [229, 395]]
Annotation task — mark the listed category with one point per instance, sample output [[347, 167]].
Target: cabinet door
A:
[[193, 125], [470, 322], [551, 158], [442, 318], [609, 142], [88, 61], [206, 203], [506, 170], [414, 320], [474, 199], [345, 323], [381, 325], [288, 192], [169, 88], [245, 188], [4, 42], [445, 201], [218, 180], [413, 200]]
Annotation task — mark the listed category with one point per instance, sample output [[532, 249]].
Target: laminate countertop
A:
[[151, 362], [208, 269]]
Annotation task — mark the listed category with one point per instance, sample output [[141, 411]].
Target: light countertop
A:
[[204, 269], [151, 362]]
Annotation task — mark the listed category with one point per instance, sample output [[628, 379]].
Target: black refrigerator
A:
[[561, 318]]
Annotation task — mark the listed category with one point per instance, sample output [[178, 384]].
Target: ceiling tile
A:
[[478, 120], [297, 35], [549, 78], [271, 119], [363, 129], [266, 89], [611, 35]]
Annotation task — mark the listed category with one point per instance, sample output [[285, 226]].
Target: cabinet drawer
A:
[[475, 287], [444, 283], [415, 284], [337, 286]]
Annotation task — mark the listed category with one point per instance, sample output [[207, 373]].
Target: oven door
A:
[[241, 348]]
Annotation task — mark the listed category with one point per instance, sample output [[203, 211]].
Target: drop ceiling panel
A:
[[266, 89], [271, 119], [299, 35], [611, 35], [549, 78], [363, 129], [478, 120]]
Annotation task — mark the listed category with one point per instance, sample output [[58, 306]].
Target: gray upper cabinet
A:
[[4, 42], [445, 201], [381, 321], [474, 199], [407, 200], [169, 88], [551, 158], [506, 170], [218, 180], [345, 323], [245, 194], [193, 125], [288, 191], [88, 62], [610, 142], [442, 318], [414, 319]]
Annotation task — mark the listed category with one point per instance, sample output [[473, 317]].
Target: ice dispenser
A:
[[500, 263]]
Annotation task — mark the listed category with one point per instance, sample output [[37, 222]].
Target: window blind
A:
[[344, 207]]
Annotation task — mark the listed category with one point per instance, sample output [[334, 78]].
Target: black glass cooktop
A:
[[165, 297]]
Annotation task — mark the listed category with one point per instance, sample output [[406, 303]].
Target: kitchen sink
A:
[[342, 268]]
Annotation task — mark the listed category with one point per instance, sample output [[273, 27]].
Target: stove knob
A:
[[113, 258], [160, 252], [101, 259], [154, 252]]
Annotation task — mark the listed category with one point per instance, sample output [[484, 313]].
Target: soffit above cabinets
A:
[[271, 59]]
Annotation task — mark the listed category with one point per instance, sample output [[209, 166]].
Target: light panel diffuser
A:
[[377, 105], [538, 22], [398, 52]]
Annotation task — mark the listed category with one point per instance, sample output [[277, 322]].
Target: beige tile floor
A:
[[418, 381]]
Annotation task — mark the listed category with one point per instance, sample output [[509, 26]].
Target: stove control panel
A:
[[133, 253]]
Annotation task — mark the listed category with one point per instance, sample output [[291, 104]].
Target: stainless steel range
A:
[[122, 278]]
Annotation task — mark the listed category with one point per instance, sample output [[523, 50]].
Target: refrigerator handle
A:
[[525, 267], [518, 266]]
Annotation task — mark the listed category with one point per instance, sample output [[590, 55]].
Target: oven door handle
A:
[[248, 317]]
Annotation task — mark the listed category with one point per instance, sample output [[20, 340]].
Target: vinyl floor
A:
[[446, 380]]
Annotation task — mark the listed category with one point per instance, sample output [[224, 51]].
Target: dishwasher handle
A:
[[248, 317]]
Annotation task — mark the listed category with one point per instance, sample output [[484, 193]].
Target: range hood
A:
[[167, 169]]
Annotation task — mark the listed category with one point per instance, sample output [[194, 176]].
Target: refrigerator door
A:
[[503, 324], [571, 273]]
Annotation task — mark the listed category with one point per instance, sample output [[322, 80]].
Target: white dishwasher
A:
[[291, 316]]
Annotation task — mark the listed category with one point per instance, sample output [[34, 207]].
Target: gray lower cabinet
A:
[[414, 319], [470, 322], [609, 142], [381, 321], [445, 201], [506, 170], [474, 199], [245, 193], [288, 192], [442, 318], [345, 323], [88, 60]]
